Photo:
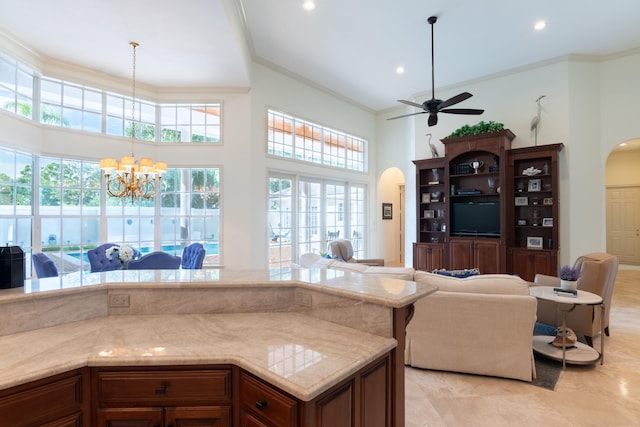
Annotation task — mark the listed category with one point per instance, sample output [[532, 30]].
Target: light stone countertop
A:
[[299, 354], [301, 330], [371, 288]]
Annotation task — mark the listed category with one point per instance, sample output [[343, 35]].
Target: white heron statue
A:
[[535, 121]]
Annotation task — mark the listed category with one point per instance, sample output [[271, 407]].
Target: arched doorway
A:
[[391, 187], [623, 202]]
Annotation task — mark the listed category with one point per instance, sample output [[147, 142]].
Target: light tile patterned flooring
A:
[[597, 395]]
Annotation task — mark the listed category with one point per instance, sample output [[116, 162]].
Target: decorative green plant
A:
[[482, 127]]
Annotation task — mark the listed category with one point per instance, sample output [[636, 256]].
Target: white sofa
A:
[[478, 325], [481, 324]]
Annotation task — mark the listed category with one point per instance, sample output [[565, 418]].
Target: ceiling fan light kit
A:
[[434, 106]]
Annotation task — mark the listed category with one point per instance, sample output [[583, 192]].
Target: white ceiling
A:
[[350, 47]]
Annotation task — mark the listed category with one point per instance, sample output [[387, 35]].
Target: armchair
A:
[[343, 250], [193, 256], [99, 261], [155, 261], [598, 276], [45, 267]]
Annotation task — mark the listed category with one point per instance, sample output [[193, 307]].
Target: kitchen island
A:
[[319, 339]]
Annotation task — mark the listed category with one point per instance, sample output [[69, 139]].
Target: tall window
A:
[[298, 139], [74, 215], [280, 220], [326, 211], [16, 87], [70, 105], [190, 123], [16, 200]]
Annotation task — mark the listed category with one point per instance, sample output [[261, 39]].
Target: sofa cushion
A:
[[484, 283]]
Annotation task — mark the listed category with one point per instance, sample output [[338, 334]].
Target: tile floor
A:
[[607, 395]]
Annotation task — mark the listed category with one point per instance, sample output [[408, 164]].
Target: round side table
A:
[[580, 354]]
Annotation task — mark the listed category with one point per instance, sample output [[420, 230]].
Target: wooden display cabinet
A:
[[476, 166], [533, 213], [432, 216]]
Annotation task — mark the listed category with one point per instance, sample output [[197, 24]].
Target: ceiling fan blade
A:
[[433, 119], [413, 104], [454, 100], [462, 111], [406, 115]]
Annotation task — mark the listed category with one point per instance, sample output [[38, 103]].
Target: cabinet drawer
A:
[[197, 387], [269, 404], [61, 399]]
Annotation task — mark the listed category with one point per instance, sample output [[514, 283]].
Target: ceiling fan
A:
[[434, 106]]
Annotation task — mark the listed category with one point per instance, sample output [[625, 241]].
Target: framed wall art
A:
[[387, 211]]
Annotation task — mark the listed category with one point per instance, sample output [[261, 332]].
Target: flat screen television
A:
[[475, 219]]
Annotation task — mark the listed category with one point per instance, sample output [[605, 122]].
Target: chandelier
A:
[[130, 177]]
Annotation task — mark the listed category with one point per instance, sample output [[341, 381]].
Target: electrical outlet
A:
[[119, 300], [304, 299]]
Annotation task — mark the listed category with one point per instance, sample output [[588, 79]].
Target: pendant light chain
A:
[[133, 100]]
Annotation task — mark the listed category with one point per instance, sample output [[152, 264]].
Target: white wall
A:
[[589, 107]]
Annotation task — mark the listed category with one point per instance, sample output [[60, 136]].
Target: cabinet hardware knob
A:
[[261, 404], [162, 389]]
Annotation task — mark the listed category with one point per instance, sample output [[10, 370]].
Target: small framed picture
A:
[[429, 213], [547, 201], [534, 242], [425, 198], [522, 222], [534, 185], [522, 201], [436, 196], [387, 212], [547, 222]]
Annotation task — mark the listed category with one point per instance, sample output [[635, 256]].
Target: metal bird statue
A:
[[535, 121]]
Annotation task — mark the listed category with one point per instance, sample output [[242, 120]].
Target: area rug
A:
[[547, 371]]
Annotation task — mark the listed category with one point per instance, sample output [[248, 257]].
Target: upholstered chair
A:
[[99, 261], [193, 256], [45, 267], [598, 276], [342, 250], [155, 261]]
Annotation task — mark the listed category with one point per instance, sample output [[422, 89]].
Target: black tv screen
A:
[[475, 219]]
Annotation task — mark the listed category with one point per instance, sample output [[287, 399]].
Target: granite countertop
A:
[[301, 330], [371, 288], [303, 356]]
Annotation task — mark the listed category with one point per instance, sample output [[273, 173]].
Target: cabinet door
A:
[[202, 416], [56, 401], [428, 257], [527, 264], [129, 417], [266, 402], [461, 254], [375, 399], [487, 256]]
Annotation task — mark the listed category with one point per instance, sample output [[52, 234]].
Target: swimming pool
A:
[[211, 248]]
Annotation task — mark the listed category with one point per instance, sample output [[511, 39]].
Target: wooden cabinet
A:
[[262, 405], [470, 205], [533, 211], [432, 217], [428, 256], [161, 397], [529, 263], [483, 254], [58, 401]]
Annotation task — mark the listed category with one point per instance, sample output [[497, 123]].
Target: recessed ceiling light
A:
[[400, 69], [540, 25], [309, 5]]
